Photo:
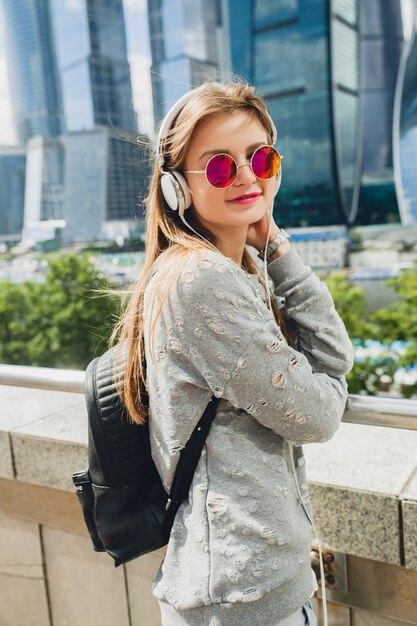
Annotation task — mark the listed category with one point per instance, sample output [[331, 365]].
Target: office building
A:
[[44, 186], [32, 69], [93, 65], [104, 182], [188, 45], [83, 181], [12, 185], [323, 248], [406, 127], [85, 186], [303, 57], [382, 43]]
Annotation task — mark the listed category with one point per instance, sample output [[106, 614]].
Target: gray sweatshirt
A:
[[242, 538]]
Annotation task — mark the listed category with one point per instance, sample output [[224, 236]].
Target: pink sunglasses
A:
[[221, 169]]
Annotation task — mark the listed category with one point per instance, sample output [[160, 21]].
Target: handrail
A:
[[381, 411], [368, 410], [42, 378]]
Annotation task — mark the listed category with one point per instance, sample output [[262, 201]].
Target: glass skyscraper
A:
[[12, 185], [44, 182], [104, 180], [406, 127], [68, 59], [93, 64], [32, 69], [382, 43], [187, 40], [303, 57]]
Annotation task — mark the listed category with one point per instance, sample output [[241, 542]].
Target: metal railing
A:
[[42, 378], [368, 410]]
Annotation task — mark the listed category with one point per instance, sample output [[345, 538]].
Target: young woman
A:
[[202, 315]]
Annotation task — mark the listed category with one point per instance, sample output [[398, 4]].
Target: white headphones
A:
[[173, 184]]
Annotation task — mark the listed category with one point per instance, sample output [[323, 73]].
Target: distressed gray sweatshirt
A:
[[242, 539]]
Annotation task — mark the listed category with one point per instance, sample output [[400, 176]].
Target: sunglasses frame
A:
[[281, 156]]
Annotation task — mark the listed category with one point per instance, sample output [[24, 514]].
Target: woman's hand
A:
[[258, 231]]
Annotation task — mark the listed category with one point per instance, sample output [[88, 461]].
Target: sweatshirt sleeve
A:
[[228, 341], [315, 324]]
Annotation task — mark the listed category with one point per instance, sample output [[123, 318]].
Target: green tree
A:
[[371, 374], [356, 239], [398, 321], [63, 322], [349, 301], [13, 323]]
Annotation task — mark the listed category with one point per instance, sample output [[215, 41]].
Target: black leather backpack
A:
[[126, 509]]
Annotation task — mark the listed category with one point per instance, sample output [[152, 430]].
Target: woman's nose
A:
[[245, 175]]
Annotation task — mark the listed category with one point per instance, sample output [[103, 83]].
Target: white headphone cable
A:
[[290, 447], [322, 579]]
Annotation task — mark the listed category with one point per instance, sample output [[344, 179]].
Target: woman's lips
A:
[[245, 198]]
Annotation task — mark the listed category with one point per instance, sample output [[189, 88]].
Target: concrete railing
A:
[[362, 484]]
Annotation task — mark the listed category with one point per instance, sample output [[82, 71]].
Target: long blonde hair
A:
[[169, 238]]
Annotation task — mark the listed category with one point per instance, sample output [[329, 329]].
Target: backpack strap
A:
[[190, 456], [191, 453]]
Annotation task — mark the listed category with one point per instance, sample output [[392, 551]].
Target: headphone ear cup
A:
[[175, 191], [278, 181], [185, 201]]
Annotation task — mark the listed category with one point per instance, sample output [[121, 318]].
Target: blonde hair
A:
[[169, 238]]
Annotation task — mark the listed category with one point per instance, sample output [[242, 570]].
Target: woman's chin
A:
[[253, 213]]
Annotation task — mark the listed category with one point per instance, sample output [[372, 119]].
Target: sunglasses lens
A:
[[221, 171], [265, 162]]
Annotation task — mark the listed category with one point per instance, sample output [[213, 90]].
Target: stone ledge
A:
[[408, 498], [361, 473], [35, 421], [363, 482]]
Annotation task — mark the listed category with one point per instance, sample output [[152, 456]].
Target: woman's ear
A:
[[278, 180]]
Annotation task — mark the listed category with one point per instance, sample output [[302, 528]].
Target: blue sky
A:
[[139, 59]]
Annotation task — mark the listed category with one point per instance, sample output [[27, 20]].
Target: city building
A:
[[85, 186], [93, 65], [44, 188], [303, 57], [32, 68], [382, 43], [323, 248], [405, 154], [384, 246], [189, 45], [12, 185], [105, 177], [85, 179]]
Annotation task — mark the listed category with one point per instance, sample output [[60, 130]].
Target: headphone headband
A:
[[167, 122]]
